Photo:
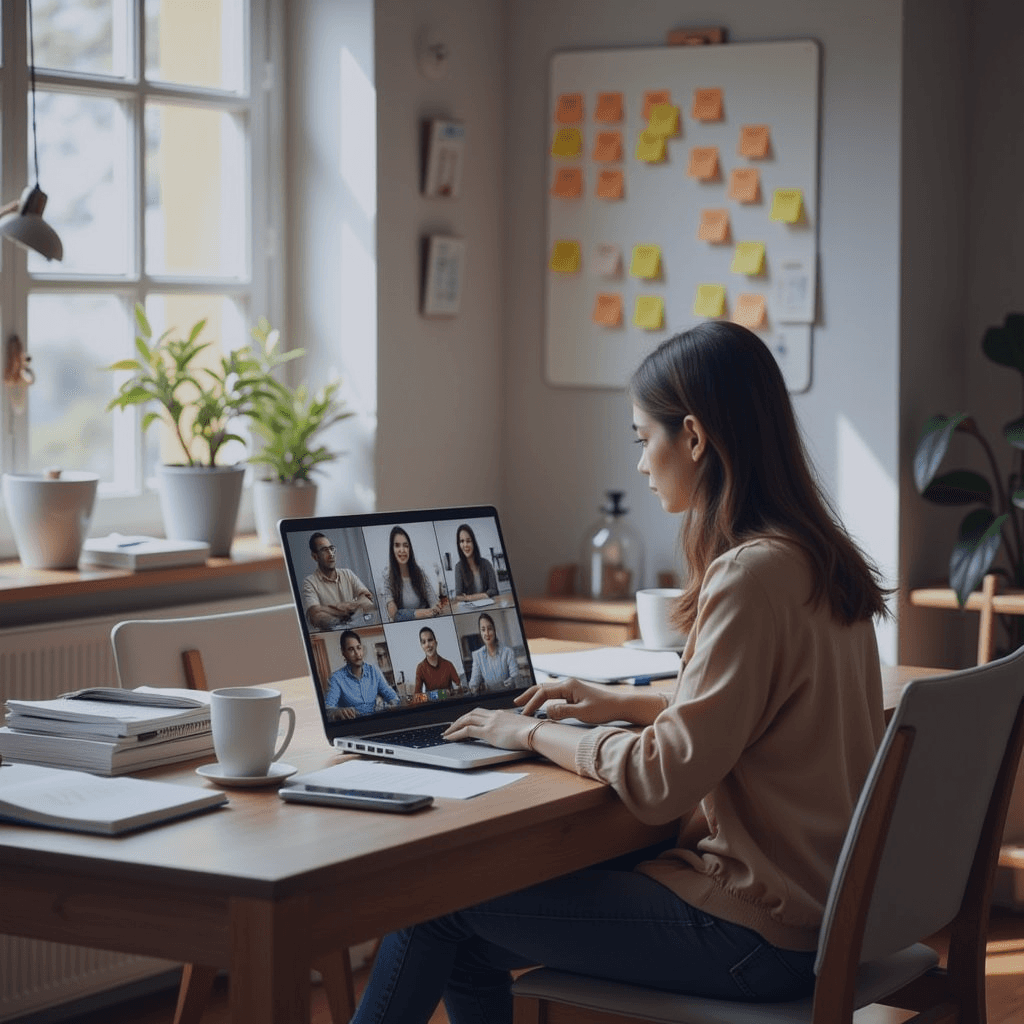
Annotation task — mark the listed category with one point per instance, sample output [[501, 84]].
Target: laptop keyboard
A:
[[427, 736]]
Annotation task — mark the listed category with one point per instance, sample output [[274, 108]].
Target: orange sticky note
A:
[[707, 104], [649, 312], [714, 226], [611, 185], [569, 109], [608, 147], [565, 257], [650, 148], [646, 261], [703, 163], [568, 142], [568, 183], [609, 107], [755, 141], [652, 97], [750, 311], [745, 184], [607, 309], [710, 300], [664, 120], [787, 205]]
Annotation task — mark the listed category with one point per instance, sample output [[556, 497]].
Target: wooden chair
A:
[[245, 648], [919, 856]]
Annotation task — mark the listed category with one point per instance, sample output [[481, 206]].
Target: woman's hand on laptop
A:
[[591, 702], [504, 729]]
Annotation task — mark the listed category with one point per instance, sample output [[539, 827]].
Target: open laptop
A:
[[396, 632]]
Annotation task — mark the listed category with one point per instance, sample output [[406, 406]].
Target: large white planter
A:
[[201, 503], [273, 500], [49, 516]]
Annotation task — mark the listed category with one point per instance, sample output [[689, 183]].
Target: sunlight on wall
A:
[[868, 500], [358, 134]]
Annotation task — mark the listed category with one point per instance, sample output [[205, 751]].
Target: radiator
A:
[[38, 662]]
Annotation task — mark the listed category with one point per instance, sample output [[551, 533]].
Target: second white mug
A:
[[245, 721], [653, 611]]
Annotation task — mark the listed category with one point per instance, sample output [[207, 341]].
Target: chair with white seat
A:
[[919, 856], [245, 648]]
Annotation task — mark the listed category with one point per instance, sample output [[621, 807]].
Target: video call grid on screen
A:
[[391, 638]]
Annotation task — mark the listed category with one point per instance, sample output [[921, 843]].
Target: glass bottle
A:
[[612, 554]]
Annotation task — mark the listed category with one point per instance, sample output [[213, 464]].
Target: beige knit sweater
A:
[[762, 750]]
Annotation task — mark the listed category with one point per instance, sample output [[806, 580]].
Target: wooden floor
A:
[[1004, 970]]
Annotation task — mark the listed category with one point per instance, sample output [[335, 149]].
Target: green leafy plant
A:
[[996, 526], [197, 402], [290, 420]]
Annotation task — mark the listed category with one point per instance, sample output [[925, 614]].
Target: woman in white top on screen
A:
[[494, 664], [474, 576], [410, 594]]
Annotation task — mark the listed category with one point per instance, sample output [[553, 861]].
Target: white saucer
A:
[[279, 771], [641, 646]]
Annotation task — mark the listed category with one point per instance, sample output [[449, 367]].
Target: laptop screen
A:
[[407, 617]]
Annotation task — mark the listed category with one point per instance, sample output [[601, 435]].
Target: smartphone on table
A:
[[367, 799]]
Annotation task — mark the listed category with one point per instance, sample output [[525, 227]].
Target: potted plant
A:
[[289, 422], [996, 526], [199, 499]]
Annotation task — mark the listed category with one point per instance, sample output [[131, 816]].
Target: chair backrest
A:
[[951, 750], [245, 648]]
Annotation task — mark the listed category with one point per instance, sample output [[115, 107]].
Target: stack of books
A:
[[109, 731]]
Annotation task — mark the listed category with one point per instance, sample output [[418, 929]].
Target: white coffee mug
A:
[[245, 724], [653, 611]]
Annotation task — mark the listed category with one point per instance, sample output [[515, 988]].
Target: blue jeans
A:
[[612, 924]]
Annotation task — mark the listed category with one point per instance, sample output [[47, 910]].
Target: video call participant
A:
[[494, 664], [356, 686], [758, 755], [474, 576], [331, 596], [410, 594], [434, 672]]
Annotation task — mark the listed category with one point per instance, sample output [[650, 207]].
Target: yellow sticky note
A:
[[703, 163], [714, 226], [649, 312], [650, 148], [646, 261], [607, 309], [607, 147], [568, 142], [664, 120], [787, 204], [569, 109], [755, 141], [750, 311], [568, 183], [707, 104], [748, 258], [609, 107], [745, 184], [653, 98], [611, 185], [565, 257], [710, 300]]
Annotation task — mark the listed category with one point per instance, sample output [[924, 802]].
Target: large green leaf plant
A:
[[995, 526]]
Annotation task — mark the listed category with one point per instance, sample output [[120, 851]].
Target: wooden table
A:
[[263, 887]]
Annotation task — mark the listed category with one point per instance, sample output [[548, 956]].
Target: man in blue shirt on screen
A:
[[356, 685]]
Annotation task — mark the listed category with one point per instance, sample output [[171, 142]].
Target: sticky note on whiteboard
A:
[[703, 163], [649, 312], [609, 107], [714, 226], [745, 184], [646, 261], [748, 258], [710, 300], [611, 185], [654, 98], [565, 257], [787, 205], [650, 148], [755, 141], [567, 142], [607, 309], [664, 120], [569, 109], [707, 104], [607, 147], [606, 260], [749, 311], [568, 183]]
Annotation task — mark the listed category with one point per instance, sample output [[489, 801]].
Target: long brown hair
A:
[[754, 479]]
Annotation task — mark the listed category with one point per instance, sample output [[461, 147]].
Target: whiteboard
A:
[[776, 84]]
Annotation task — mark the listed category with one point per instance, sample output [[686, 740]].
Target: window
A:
[[153, 148]]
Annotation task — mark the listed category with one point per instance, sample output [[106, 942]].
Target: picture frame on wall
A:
[[444, 262], [445, 150]]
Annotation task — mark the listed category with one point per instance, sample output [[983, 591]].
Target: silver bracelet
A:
[[529, 735]]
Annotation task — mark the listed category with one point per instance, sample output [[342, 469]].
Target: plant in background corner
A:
[[997, 525]]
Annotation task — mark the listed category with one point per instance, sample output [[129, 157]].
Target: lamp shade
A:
[[25, 225]]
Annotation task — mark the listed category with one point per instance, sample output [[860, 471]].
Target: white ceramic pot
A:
[[201, 503], [50, 515], [273, 500]]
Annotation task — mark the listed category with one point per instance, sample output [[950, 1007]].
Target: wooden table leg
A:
[[336, 971], [194, 993], [270, 959]]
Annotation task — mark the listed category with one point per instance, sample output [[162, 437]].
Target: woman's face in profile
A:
[[402, 548], [486, 632], [466, 544]]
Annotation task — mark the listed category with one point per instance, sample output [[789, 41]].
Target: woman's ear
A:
[[695, 437]]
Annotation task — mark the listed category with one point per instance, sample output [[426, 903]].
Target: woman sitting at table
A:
[[410, 594], [759, 754], [474, 576], [494, 664]]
